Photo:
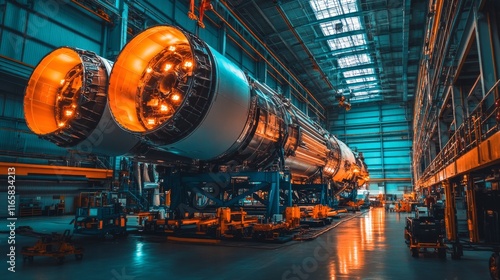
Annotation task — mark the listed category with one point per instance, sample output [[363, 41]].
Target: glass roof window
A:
[[362, 83], [358, 72], [363, 86], [354, 60], [362, 96], [347, 42], [364, 93], [340, 26], [330, 8], [360, 80]]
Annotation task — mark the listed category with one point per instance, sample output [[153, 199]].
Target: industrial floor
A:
[[369, 246]]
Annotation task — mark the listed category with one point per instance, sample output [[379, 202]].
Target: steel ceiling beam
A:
[[316, 66], [340, 35], [330, 19], [406, 36]]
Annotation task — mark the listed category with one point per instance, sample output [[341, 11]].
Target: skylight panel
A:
[[358, 72], [360, 80], [354, 60], [369, 88], [347, 42], [330, 8], [340, 26], [365, 94], [359, 87], [360, 93]]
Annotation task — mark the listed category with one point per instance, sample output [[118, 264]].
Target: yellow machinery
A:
[[227, 223], [320, 211], [100, 214], [292, 216], [355, 205], [234, 223], [410, 196], [403, 206], [56, 245]]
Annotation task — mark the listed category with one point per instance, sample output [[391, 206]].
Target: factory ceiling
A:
[[365, 50]]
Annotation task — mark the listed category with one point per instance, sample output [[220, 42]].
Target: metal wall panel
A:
[[17, 142], [70, 17], [16, 138], [11, 45], [271, 82], [367, 132], [381, 133], [248, 64], [15, 16], [210, 34], [34, 52], [233, 52], [28, 33], [10, 107]]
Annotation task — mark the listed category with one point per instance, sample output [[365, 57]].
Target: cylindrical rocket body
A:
[[216, 132], [173, 90]]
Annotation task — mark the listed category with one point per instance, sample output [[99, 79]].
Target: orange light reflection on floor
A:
[[352, 245]]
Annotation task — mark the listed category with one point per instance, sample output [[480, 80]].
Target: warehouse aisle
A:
[[370, 246]]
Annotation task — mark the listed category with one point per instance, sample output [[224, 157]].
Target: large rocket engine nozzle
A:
[[170, 88], [160, 83], [66, 95]]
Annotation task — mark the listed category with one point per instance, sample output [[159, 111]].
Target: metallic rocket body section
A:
[[65, 103], [347, 163], [219, 115], [156, 66], [108, 138], [217, 132]]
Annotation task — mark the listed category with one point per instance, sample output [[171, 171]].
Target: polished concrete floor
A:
[[368, 246]]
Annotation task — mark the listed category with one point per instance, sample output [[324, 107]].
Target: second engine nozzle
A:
[[164, 85], [65, 102]]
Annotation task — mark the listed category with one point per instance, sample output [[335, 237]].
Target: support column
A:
[[471, 211], [223, 39], [487, 43], [287, 184], [287, 91], [118, 34], [444, 136], [262, 71], [450, 212], [486, 39], [273, 206], [432, 150], [458, 105]]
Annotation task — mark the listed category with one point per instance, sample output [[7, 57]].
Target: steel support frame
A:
[[225, 192], [321, 193]]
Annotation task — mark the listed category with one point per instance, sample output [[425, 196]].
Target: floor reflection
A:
[[354, 241]]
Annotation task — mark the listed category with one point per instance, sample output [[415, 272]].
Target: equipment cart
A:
[[423, 233], [56, 245]]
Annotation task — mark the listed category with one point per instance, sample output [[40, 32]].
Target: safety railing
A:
[[477, 127]]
